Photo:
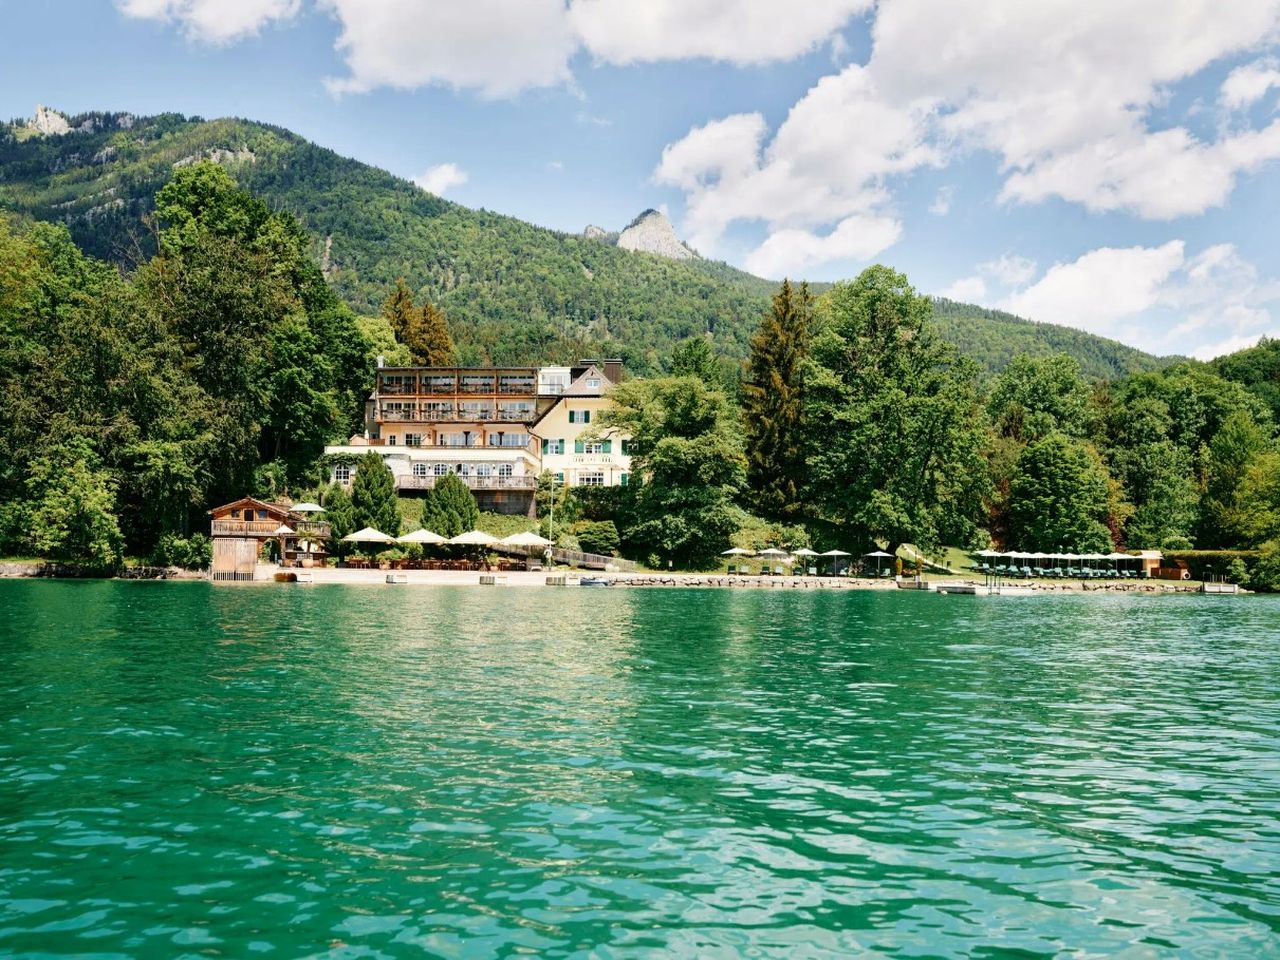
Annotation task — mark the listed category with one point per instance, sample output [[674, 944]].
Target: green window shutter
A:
[[624, 478], [546, 444], [577, 446], [608, 446], [573, 416], [586, 416]]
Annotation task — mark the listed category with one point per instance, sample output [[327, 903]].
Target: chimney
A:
[[613, 370]]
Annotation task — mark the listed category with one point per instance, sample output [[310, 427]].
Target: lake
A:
[[373, 771]]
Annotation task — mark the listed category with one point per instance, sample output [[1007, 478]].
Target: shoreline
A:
[[267, 573]]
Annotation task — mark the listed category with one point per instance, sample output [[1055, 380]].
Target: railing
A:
[[267, 528], [473, 483], [592, 561]]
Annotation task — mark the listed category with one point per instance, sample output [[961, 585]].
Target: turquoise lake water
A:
[[240, 771]]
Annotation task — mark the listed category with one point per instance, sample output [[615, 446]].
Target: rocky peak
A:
[[651, 232], [48, 122]]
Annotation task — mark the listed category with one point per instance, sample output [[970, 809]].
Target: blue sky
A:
[[1108, 165]]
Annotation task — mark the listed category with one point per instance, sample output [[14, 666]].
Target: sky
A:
[[1112, 165]]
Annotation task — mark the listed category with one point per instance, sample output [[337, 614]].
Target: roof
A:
[[277, 508], [579, 388]]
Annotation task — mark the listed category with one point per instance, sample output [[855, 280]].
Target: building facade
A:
[[495, 428]]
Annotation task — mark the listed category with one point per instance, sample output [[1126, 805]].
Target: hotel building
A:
[[495, 428]]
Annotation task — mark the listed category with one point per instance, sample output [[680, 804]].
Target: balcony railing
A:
[[472, 482], [267, 528]]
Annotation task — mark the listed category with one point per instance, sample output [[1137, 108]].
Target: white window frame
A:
[[595, 479], [420, 469], [440, 470], [342, 473]]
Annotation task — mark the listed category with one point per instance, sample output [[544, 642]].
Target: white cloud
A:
[[966, 290], [790, 252], [213, 21], [495, 47], [1156, 298], [1063, 94], [1009, 270], [441, 178], [1249, 83], [941, 205], [735, 31]]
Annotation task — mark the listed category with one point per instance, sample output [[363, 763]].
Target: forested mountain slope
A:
[[514, 292]]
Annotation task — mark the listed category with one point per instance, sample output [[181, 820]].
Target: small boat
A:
[[593, 582]]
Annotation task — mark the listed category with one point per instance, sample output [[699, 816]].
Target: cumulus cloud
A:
[[791, 252], [1156, 298], [440, 178], [495, 47], [212, 21], [966, 290], [1064, 96], [735, 31], [1249, 83]]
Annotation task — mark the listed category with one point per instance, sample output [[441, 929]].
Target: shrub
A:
[[597, 536], [190, 553]]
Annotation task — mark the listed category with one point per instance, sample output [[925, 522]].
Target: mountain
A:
[[514, 292], [651, 232]]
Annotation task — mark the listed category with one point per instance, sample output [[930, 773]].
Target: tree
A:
[[373, 496], [72, 517], [1034, 396], [688, 466], [773, 403], [430, 341], [1059, 498], [693, 357], [341, 516], [1239, 442], [894, 433], [399, 311], [597, 536], [450, 508]]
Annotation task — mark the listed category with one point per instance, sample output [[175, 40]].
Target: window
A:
[[391, 441], [342, 473], [484, 470], [413, 439], [504, 470], [476, 383], [560, 477], [591, 479], [440, 469], [419, 469], [441, 383], [437, 410], [515, 383], [626, 448], [579, 416], [593, 383], [508, 439], [399, 383], [624, 479], [553, 447], [593, 446]]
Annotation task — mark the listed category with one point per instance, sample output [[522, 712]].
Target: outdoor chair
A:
[[733, 568]]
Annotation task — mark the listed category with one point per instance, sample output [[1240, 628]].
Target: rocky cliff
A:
[[651, 232]]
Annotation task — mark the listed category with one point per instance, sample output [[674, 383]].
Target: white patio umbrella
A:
[[877, 554], [806, 552], [283, 531], [473, 538], [368, 535], [525, 539], [771, 552], [422, 536], [735, 552], [836, 553], [307, 507]]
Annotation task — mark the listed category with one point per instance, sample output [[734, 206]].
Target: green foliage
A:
[[432, 346], [694, 358], [1257, 369], [597, 536], [373, 496], [773, 403], [341, 516], [894, 430], [1034, 396], [687, 446], [1059, 498], [450, 508], [190, 553], [72, 509], [270, 480]]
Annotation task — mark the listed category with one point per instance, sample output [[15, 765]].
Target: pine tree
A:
[[373, 496], [450, 508], [399, 311], [773, 402], [430, 343]]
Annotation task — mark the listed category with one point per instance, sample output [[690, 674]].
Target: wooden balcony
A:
[[472, 482], [267, 528]]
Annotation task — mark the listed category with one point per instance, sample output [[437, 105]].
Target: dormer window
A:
[[593, 383]]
